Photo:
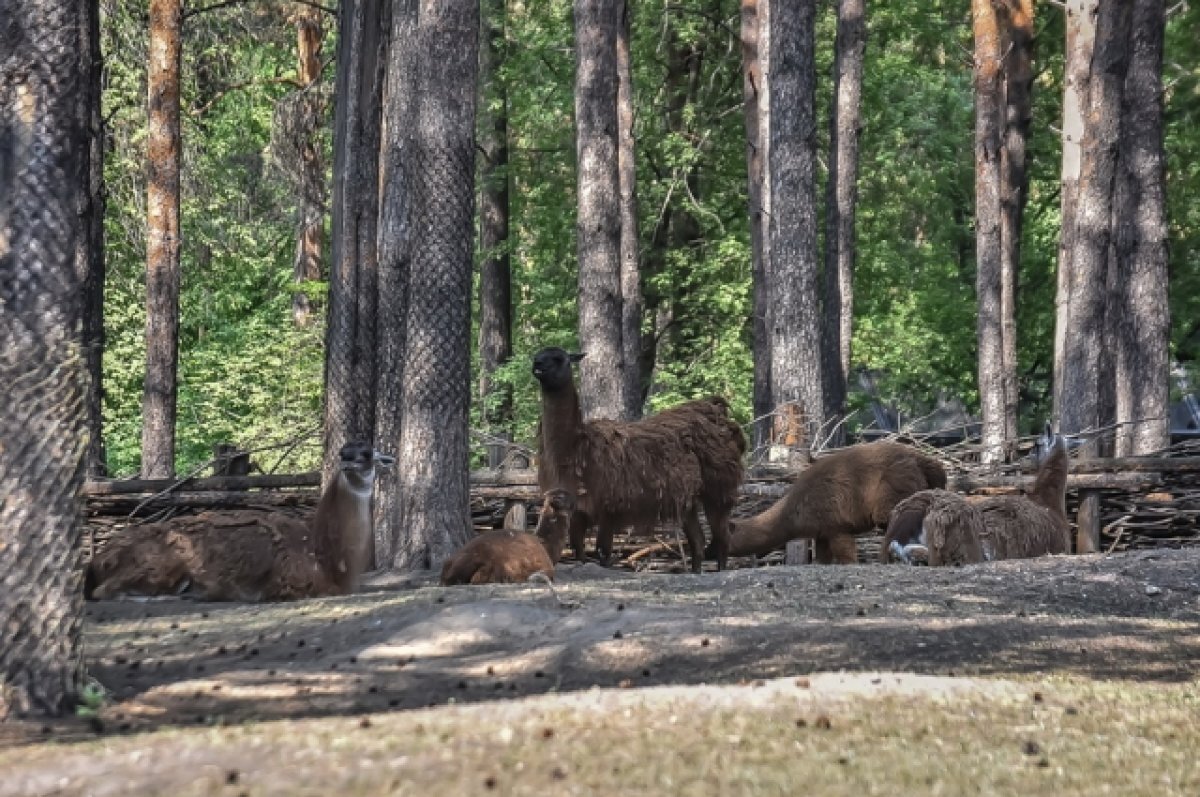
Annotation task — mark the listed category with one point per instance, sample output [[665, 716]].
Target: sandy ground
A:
[[1059, 675]]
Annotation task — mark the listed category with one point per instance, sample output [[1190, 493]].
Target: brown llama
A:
[[637, 473], [843, 494], [509, 556], [248, 555], [956, 530]]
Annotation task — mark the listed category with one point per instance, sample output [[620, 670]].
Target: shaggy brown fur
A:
[[509, 556], [251, 555], [661, 468], [942, 525], [959, 530], [845, 493]]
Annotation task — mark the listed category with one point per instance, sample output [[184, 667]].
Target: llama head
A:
[[552, 368], [359, 460], [1047, 444], [554, 520]]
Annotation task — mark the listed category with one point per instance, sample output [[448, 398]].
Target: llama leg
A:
[[577, 533], [843, 549], [695, 537], [822, 554], [718, 521], [604, 543]]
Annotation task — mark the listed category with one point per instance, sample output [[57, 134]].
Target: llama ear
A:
[[384, 460], [1049, 431], [576, 357]]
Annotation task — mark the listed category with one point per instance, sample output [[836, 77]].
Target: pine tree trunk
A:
[[495, 275], [310, 210], [45, 79], [796, 384], [1142, 323], [752, 85], [989, 130], [394, 248], [631, 292], [1017, 45], [599, 223], [841, 197], [1082, 405], [350, 345], [89, 256], [162, 240], [1081, 35], [432, 474]]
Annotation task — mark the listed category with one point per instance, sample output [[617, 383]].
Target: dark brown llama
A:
[[637, 473]]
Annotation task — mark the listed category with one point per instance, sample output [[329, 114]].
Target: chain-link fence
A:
[[43, 435]]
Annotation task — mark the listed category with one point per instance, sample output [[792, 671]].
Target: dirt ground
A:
[[1059, 675]]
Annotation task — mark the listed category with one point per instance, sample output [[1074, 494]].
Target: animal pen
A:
[[1118, 504]]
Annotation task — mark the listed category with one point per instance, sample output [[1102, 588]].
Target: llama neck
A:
[[561, 424], [553, 543], [1050, 486], [343, 511], [762, 532]]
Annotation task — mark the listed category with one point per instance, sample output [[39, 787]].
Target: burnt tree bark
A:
[[162, 240], [1082, 402], [495, 273], [1017, 50], [752, 88], [350, 344], [841, 197], [1141, 325], [45, 76], [989, 144], [432, 474], [1080, 37], [394, 251], [797, 388], [631, 292], [89, 255], [310, 210], [598, 228]]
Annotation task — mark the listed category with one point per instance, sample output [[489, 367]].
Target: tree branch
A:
[[192, 12]]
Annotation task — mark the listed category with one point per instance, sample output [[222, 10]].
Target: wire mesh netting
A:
[[43, 434]]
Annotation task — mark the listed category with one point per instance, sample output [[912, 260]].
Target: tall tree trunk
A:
[[1017, 47], [989, 131], [841, 197], [598, 228], [44, 73], [756, 97], [394, 247], [1081, 35], [495, 274], [89, 256], [796, 384], [162, 240], [1082, 405], [433, 458], [310, 210], [1142, 322], [631, 292], [350, 359]]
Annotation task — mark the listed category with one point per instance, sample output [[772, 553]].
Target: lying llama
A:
[[247, 555], [508, 556], [1003, 526], [846, 493], [637, 473]]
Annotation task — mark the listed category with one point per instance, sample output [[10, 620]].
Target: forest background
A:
[[249, 373]]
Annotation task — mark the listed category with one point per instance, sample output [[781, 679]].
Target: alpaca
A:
[[846, 493], [637, 473], [249, 555], [508, 556], [936, 526]]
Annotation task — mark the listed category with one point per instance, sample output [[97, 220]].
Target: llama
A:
[[955, 530], [248, 555], [509, 556], [637, 473], [846, 493]]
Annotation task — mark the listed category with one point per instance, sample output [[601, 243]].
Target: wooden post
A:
[[798, 552], [516, 516], [1087, 521]]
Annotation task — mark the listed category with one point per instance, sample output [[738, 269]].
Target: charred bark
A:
[[310, 211], [631, 292], [89, 257], [756, 37], [841, 197]]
